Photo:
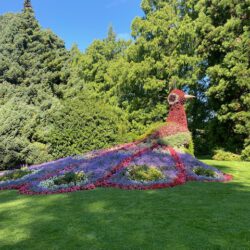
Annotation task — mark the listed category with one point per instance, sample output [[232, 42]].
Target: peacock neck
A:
[[177, 115]]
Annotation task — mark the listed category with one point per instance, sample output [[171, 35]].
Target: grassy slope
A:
[[192, 216]]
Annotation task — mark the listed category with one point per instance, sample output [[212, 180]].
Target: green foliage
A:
[[221, 155], [181, 140], [145, 173], [225, 44], [22, 132], [246, 153], [190, 43], [36, 153], [31, 68], [85, 123], [189, 148], [70, 177], [16, 174], [28, 54], [202, 47], [204, 172], [150, 130]]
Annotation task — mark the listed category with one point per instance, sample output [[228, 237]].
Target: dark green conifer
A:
[[111, 34], [31, 71], [27, 5]]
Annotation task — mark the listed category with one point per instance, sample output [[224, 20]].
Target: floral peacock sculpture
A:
[[162, 159]]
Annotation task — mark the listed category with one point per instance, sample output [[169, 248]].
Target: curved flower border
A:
[[27, 188], [182, 176]]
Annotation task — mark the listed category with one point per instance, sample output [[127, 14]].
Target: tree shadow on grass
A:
[[192, 216]]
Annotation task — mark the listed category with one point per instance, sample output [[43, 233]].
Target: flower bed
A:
[[14, 175], [150, 163], [95, 165], [116, 167]]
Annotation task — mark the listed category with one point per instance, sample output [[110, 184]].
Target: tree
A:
[[31, 69], [200, 46], [111, 34], [27, 4], [161, 58], [28, 54], [224, 42]]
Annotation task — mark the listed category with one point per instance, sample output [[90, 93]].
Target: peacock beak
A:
[[189, 96]]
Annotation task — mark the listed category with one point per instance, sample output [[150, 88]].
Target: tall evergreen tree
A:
[[198, 45], [111, 34], [27, 4], [223, 31], [31, 68]]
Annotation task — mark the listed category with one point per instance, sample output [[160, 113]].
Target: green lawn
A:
[[192, 216]]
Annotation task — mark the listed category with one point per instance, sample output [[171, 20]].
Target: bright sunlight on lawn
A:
[[191, 216]]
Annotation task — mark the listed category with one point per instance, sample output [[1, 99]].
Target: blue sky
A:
[[81, 21]]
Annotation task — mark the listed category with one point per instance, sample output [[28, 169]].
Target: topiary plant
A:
[[181, 140]]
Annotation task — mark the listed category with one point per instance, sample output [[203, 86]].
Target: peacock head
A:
[[177, 96]]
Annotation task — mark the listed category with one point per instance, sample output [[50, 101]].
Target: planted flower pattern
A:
[[159, 167], [157, 161]]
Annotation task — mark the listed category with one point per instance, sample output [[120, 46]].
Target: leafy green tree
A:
[[91, 67], [54, 103], [201, 46], [162, 57], [224, 42]]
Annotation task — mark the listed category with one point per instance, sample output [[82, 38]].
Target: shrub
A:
[[245, 154], [204, 172], [145, 173], [70, 177], [221, 155], [85, 124], [17, 174]]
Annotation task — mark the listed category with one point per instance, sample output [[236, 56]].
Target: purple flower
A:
[[108, 167]]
